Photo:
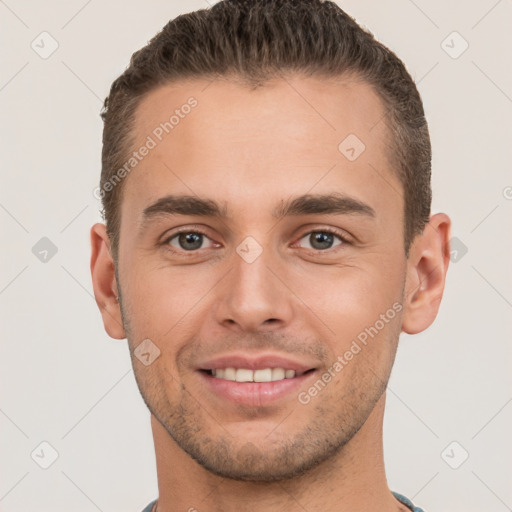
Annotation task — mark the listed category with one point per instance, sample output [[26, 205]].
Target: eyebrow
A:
[[308, 204]]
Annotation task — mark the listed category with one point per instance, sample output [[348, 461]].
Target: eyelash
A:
[[331, 231]]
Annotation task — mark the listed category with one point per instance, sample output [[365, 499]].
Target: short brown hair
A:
[[255, 41]]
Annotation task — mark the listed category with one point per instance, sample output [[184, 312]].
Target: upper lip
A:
[[255, 363]]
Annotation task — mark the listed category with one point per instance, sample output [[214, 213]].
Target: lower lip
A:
[[254, 394]]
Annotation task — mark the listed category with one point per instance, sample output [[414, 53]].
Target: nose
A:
[[254, 296]]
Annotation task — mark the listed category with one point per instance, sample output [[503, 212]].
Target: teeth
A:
[[229, 374], [263, 375], [243, 375], [246, 375], [279, 373]]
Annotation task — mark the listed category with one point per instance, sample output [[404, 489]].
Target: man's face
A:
[[207, 304]]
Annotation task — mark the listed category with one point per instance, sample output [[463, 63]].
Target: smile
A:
[[262, 375]]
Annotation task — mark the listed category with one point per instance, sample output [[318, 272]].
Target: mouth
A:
[[255, 382], [260, 375]]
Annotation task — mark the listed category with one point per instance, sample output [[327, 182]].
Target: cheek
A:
[[338, 301], [163, 300], [351, 299]]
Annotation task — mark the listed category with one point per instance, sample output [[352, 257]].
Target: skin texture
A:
[[252, 150]]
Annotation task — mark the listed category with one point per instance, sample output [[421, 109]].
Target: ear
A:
[[104, 282], [426, 273]]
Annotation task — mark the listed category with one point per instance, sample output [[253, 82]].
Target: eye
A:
[[322, 240], [186, 240]]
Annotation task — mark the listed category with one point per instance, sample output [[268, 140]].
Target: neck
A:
[[354, 479]]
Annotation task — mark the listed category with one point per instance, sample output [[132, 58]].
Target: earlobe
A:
[[104, 282], [426, 274]]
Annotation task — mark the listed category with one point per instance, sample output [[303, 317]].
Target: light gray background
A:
[[64, 381]]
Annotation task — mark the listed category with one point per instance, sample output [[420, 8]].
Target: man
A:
[[266, 191]]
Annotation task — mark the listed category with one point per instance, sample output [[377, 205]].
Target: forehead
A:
[[244, 146]]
